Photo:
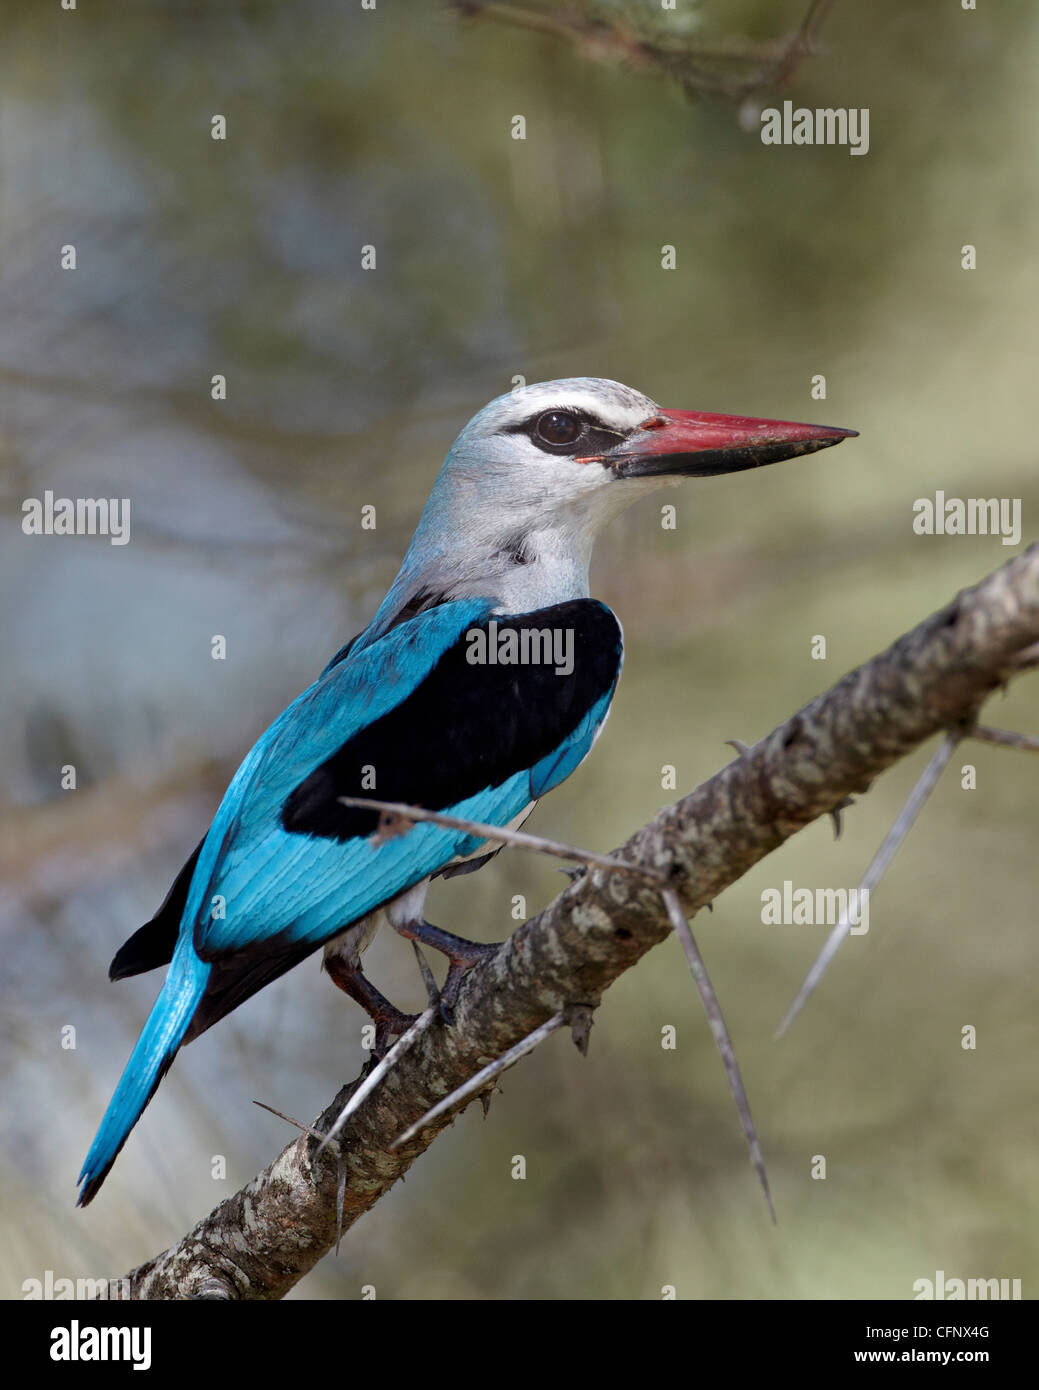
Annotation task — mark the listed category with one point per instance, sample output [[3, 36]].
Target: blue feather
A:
[[155, 1050], [558, 766]]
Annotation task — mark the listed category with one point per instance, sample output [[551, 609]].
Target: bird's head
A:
[[589, 445], [537, 472]]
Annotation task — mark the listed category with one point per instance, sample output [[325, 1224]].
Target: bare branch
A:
[[1004, 736], [733, 68], [394, 811], [722, 1040], [258, 1243]]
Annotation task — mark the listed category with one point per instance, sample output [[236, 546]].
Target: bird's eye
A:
[[558, 427]]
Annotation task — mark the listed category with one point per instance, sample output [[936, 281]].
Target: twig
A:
[[314, 1134], [519, 839], [720, 1031], [1004, 736], [883, 857], [813, 22], [802, 45], [702, 66]]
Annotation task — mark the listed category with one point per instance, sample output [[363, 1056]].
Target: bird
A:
[[480, 684]]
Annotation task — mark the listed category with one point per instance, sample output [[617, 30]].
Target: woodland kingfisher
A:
[[481, 683]]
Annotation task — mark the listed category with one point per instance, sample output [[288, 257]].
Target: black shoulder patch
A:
[[154, 943], [472, 723]]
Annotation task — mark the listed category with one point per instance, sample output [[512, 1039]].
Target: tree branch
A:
[[258, 1243], [732, 68]]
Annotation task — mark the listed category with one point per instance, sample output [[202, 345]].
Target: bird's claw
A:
[[389, 1021], [386, 1029], [456, 973], [462, 957]]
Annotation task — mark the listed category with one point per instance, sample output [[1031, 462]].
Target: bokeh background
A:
[[498, 257]]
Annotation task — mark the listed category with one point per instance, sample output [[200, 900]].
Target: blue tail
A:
[[156, 1048]]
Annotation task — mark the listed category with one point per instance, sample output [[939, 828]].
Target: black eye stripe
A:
[[594, 437]]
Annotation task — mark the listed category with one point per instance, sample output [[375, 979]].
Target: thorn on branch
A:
[[485, 1098], [579, 1019], [889, 848], [835, 815], [722, 1040], [314, 1134]]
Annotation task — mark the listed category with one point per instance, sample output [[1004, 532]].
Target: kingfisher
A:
[[481, 683]]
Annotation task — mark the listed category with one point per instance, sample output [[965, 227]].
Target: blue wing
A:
[[300, 887]]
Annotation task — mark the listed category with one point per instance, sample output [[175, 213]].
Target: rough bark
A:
[[260, 1242]]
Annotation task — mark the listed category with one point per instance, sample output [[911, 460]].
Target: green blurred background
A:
[[499, 257]]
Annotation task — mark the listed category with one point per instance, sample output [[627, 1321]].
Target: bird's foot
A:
[[462, 956], [389, 1021], [388, 1028]]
